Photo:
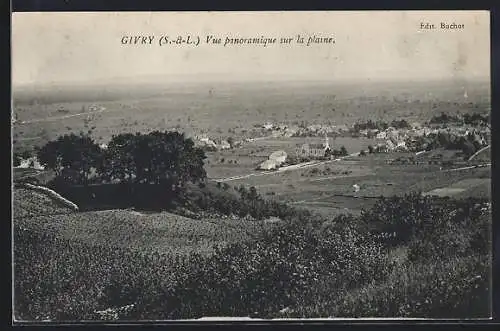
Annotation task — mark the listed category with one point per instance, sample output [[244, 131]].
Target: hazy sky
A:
[[86, 47]]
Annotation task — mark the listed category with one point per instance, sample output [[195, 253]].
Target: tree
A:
[[16, 159], [72, 157], [343, 151], [468, 149], [362, 153], [165, 158]]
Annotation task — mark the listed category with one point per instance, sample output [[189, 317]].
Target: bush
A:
[[292, 258], [458, 288]]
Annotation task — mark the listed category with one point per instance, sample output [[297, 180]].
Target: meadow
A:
[[333, 192]]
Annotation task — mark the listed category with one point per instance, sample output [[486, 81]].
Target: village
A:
[[415, 137], [402, 137]]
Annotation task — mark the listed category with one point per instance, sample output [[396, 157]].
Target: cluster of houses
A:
[[394, 134], [30, 163], [215, 144]]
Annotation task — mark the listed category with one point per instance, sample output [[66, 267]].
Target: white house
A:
[[207, 142], [224, 145], [381, 135], [381, 148], [279, 157], [416, 125], [268, 165], [389, 144], [401, 146], [31, 162]]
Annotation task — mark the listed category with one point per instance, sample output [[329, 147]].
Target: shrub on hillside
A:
[[240, 201], [282, 269], [402, 215], [427, 220], [456, 288], [464, 228]]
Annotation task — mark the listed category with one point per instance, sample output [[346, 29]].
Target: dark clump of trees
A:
[[468, 144], [476, 119], [72, 157], [240, 201], [380, 125], [336, 152], [370, 125], [144, 170], [401, 124], [444, 118], [467, 119]]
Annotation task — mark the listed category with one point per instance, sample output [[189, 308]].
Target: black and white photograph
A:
[[255, 166]]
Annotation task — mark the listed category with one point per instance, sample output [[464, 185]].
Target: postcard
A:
[[254, 166]]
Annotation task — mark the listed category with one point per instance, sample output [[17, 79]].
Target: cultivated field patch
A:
[[479, 186]]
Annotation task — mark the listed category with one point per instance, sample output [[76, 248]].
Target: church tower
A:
[[327, 142]]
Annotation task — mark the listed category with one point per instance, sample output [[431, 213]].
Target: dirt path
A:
[[469, 167], [479, 151], [59, 118], [284, 169]]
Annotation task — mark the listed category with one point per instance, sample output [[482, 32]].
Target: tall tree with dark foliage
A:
[[72, 157], [163, 158]]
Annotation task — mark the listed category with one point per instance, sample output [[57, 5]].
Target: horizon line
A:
[[194, 78]]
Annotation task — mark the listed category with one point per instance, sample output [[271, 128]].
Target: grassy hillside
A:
[[162, 232], [28, 203], [437, 265]]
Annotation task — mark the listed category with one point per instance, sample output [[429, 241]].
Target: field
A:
[[333, 193], [476, 187], [70, 264]]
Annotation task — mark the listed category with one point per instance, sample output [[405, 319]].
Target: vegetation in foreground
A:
[[409, 256]]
